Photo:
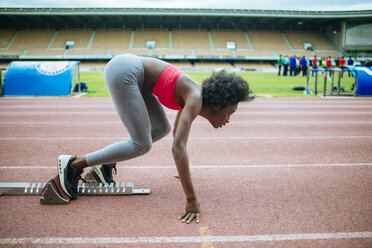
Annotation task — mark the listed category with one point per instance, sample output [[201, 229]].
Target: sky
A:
[[216, 4]]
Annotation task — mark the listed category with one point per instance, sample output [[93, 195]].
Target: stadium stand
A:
[[45, 52], [264, 40], [244, 66], [297, 52], [161, 37], [318, 40], [323, 54], [5, 37], [193, 37], [81, 38], [111, 39], [255, 52], [208, 66], [189, 42], [178, 42], [32, 39], [220, 37], [183, 65], [3, 65]]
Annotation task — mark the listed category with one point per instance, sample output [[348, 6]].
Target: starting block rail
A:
[[50, 194], [21, 188]]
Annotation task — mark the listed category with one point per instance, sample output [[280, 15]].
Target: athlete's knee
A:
[[142, 147]]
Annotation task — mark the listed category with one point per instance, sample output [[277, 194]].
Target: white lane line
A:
[[253, 166], [185, 239], [193, 138]]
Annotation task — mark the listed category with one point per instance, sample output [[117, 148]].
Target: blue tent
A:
[[39, 78], [364, 83]]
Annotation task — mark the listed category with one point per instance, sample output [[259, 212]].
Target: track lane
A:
[[276, 199]]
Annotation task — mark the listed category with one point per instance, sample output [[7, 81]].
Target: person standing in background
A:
[[350, 62], [298, 65], [285, 65], [341, 64], [315, 64], [329, 64], [304, 66], [292, 69], [280, 62]]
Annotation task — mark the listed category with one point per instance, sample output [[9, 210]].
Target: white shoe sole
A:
[[62, 163]]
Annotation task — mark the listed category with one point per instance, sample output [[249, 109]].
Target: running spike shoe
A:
[[69, 176], [103, 173]]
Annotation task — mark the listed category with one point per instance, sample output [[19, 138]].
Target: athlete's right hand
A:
[[192, 212]]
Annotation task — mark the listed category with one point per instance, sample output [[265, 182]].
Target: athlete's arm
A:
[[176, 122], [181, 133]]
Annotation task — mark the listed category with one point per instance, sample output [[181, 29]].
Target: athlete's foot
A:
[[68, 175], [80, 162], [103, 173]]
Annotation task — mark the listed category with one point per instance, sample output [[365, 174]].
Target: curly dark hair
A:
[[222, 89]]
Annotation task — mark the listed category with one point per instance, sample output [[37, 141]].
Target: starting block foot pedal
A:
[[91, 179], [53, 194]]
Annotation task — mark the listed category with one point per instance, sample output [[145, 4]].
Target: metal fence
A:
[[330, 74]]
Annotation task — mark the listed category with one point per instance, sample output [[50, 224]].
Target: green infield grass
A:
[[261, 83]]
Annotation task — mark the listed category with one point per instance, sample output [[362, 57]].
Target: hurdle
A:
[[331, 79], [51, 195]]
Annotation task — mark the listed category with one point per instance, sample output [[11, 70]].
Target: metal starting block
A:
[[52, 193]]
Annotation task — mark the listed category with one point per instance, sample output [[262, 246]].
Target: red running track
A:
[[285, 172]]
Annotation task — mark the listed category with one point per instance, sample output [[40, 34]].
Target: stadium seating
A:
[[255, 52], [267, 40], [44, 51], [177, 43], [183, 65], [193, 42], [81, 38], [324, 54], [220, 38], [297, 52], [86, 51], [32, 39], [5, 38], [200, 66], [253, 66], [318, 40], [11, 52], [3, 65], [111, 39], [160, 36], [190, 39]]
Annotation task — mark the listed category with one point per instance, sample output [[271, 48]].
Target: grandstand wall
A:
[[187, 43], [185, 38]]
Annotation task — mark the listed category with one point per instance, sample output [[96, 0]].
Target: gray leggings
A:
[[141, 113]]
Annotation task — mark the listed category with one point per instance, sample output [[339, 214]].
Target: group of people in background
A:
[[293, 66]]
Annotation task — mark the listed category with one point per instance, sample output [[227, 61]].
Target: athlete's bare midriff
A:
[[153, 69]]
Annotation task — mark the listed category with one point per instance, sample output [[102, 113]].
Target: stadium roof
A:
[[175, 18]]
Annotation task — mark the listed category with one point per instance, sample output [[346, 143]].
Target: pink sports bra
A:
[[165, 87]]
